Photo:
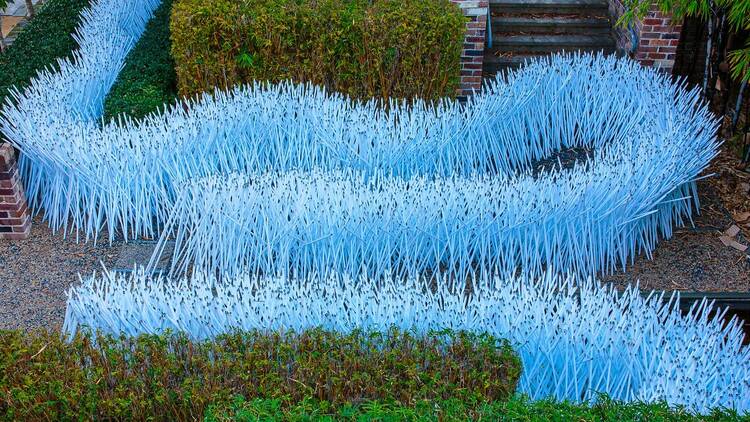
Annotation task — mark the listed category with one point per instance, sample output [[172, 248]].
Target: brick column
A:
[[472, 56], [657, 37], [15, 221]]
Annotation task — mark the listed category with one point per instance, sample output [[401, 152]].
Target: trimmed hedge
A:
[[148, 80], [364, 48], [169, 377], [45, 38], [515, 409]]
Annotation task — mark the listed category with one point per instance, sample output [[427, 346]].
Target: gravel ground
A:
[[35, 274]]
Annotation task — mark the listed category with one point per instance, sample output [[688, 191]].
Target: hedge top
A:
[[362, 48], [169, 377]]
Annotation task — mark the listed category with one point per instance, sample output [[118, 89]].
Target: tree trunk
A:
[[30, 9], [738, 106], [720, 31], [2, 37], [707, 65]]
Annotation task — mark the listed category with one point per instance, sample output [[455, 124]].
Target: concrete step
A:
[[548, 6], [551, 43], [11, 37], [494, 63], [524, 29], [528, 24]]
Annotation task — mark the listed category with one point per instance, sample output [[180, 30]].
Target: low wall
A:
[[653, 39], [472, 56], [15, 221]]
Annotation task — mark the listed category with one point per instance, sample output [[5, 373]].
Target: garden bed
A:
[[694, 259], [388, 210]]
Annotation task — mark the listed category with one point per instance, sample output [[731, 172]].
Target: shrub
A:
[[169, 377], [518, 408], [45, 38], [148, 80], [364, 48]]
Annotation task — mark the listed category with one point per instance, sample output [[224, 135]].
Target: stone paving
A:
[[13, 18]]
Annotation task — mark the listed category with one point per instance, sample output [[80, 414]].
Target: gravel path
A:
[[35, 274]]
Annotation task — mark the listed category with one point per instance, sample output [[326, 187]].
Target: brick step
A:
[[528, 24], [549, 6], [551, 43]]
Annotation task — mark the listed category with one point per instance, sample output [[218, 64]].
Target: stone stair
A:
[[522, 29], [15, 18], [11, 38]]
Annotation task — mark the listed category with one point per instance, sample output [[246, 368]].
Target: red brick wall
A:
[[15, 220], [472, 56], [657, 37]]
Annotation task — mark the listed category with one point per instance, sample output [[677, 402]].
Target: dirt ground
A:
[[695, 259]]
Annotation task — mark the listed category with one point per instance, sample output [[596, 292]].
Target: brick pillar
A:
[[15, 221], [472, 56], [657, 37]]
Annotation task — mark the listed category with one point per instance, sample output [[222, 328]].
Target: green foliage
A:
[[364, 48], [740, 61], [46, 38], [148, 80], [516, 409], [170, 378], [737, 13]]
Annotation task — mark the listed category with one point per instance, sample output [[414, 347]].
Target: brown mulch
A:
[[695, 259]]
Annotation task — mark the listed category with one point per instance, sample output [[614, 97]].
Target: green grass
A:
[[148, 80], [517, 409], [46, 38]]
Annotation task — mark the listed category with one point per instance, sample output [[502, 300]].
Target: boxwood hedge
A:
[[42, 41], [148, 80]]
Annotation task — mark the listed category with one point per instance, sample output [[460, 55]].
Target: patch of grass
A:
[[168, 377], [45, 39], [517, 408], [148, 80]]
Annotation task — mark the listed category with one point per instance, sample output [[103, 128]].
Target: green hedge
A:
[[364, 48], [171, 378], [516, 409], [46, 38], [148, 80]]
